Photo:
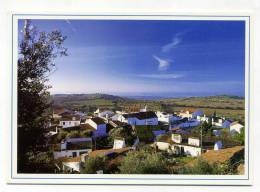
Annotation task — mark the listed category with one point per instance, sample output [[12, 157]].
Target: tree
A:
[[143, 162], [240, 137], [93, 164], [122, 133], [37, 51]]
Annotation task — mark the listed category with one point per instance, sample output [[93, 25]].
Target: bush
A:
[[42, 162], [143, 162], [240, 137], [93, 164], [122, 133], [202, 167], [144, 133]]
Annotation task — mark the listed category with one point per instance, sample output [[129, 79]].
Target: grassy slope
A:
[[232, 107]]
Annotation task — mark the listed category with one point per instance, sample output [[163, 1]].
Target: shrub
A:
[[144, 133], [122, 133], [143, 162], [93, 164], [202, 167]]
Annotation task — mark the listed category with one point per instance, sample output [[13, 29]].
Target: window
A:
[[74, 154]]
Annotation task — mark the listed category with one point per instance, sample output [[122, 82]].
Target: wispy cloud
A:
[[71, 25], [161, 76], [176, 40], [164, 64]]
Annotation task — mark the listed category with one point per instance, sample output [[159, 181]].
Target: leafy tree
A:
[[144, 132], [240, 137], [93, 164], [37, 51], [143, 162], [122, 133], [41, 162], [202, 167]]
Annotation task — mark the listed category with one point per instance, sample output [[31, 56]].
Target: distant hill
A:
[[64, 98], [221, 102], [229, 106]]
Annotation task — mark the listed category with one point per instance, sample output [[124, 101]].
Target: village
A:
[[74, 136]]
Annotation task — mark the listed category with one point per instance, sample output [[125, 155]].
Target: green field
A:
[[228, 106]]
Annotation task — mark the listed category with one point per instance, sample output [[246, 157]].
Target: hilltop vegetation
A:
[[228, 106]]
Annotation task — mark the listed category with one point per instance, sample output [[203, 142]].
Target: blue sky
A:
[[162, 58]]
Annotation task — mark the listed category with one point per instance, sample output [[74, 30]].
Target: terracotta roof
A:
[[117, 123], [69, 159], [104, 152], [70, 118], [221, 155], [141, 115], [98, 120], [191, 110], [87, 127]]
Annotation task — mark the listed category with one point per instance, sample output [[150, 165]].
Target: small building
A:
[[194, 141], [202, 118], [181, 146], [197, 113], [119, 144], [166, 117], [140, 118], [104, 114], [186, 114], [226, 124], [99, 126], [69, 121], [189, 124], [218, 121], [73, 147], [236, 127], [218, 145]]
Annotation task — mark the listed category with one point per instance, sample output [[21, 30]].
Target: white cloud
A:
[[163, 63], [162, 76], [71, 25], [176, 40]]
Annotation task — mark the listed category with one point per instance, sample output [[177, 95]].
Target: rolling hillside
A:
[[229, 106]]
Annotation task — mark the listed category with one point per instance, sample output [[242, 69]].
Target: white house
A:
[[236, 127], [73, 147], [99, 125], [193, 141], [119, 144], [190, 147], [187, 113], [197, 113], [189, 123], [218, 121], [69, 121], [218, 145], [71, 164], [104, 114], [140, 118], [203, 118], [166, 117]]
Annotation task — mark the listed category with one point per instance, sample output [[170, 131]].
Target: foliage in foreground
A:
[[202, 167], [93, 164], [37, 51], [143, 162]]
